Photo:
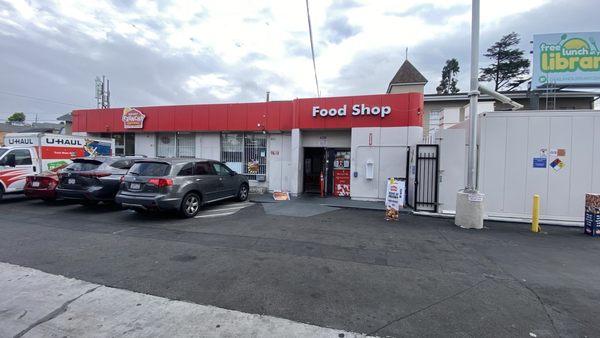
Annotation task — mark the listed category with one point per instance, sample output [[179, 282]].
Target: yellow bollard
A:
[[535, 214]]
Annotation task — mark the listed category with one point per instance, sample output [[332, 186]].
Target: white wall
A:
[[208, 146], [452, 166], [326, 138], [510, 141], [387, 150], [297, 154], [279, 164], [145, 144]]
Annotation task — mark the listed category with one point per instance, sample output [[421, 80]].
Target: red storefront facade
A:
[[281, 132]]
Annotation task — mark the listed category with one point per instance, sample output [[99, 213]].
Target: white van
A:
[[31, 153]]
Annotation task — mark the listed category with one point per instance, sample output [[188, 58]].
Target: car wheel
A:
[[243, 193], [1, 193], [190, 205]]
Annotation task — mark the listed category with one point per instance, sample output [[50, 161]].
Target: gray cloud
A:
[[432, 14], [62, 65], [337, 27], [372, 71]]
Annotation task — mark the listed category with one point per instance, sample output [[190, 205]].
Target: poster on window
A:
[[341, 182], [394, 198]]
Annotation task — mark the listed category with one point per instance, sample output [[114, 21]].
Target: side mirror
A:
[[233, 173], [10, 160]]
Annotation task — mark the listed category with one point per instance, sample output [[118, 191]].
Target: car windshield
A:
[[83, 165], [2, 151], [150, 169]]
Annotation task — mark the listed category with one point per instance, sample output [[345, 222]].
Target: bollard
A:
[[322, 184], [535, 214]]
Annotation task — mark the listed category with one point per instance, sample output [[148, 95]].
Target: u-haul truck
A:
[[31, 153]]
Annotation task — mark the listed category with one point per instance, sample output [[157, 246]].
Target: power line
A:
[[42, 99], [312, 49]]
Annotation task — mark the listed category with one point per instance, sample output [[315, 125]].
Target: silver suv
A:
[[179, 184]]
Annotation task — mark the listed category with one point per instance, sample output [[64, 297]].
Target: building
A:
[[354, 142], [445, 110], [6, 128]]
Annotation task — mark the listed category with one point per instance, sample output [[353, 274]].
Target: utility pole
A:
[[469, 202], [102, 92]]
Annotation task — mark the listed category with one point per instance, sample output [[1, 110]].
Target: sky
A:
[[185, 52]]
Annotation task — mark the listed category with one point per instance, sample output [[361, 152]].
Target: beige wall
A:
[[399, 89]]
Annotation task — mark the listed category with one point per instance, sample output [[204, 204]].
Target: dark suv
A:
[[93, 179], [179, 184]]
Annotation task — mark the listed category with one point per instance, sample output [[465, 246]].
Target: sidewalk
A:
[[35, 304], [329, 201]]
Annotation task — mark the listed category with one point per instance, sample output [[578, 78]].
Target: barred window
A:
[[175, 145], [245, 153]]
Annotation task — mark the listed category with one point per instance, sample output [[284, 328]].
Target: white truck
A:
[[25, 154]]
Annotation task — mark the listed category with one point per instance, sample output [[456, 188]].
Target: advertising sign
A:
[[592, 215], [566, 59], [394, 198], [133, 118]]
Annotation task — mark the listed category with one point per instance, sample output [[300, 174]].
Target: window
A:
[[203, 168], [187, 170], [122, 164], [245, 153], [150, 169], [22, 157], [175, 145], [221, 170], [124, 143], [83, 165]]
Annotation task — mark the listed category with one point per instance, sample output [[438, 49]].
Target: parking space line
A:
[[215, 215], [226, 211]]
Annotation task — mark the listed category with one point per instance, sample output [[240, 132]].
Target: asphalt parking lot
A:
[[340, 268]]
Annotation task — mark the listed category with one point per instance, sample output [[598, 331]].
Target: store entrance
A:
[[334, 164], [314, 164]]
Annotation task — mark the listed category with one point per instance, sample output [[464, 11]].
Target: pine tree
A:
[[449, 81], [508, 63]]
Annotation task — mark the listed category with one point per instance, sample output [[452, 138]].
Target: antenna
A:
[[406, 54], [102, 92]]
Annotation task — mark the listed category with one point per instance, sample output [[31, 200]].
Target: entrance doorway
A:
[[314, 164], [334, 164]]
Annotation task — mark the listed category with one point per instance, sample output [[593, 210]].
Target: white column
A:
[[296, 160]]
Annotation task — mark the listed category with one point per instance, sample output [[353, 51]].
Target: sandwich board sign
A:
[[394, 197]]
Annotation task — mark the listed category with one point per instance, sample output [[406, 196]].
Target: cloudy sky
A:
[[182, 52]]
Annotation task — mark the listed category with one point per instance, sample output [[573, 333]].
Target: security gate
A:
[[426, 165]]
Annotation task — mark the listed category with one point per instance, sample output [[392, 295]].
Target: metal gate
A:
[[426, 177]]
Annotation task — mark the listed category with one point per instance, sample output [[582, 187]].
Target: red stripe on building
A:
[[406, 111]]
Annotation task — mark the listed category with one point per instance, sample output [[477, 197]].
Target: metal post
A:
[[469, 202], [474, 99]]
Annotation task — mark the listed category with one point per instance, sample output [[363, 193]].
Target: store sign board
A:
[[133, 118], [394, 198], [566, 59], [357, 110]]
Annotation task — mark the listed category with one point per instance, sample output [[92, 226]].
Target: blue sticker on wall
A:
[[540, 162]]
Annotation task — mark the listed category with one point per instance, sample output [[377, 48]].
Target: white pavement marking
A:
[[224, 210], [37, 304]]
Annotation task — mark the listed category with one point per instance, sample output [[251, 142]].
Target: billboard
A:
[[571, 59]]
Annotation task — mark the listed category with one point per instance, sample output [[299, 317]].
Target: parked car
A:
[[43, 185], [93, 179], [180, 184]]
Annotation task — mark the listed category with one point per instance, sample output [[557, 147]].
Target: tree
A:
[[449, 81], [508, 63], [17, 117]]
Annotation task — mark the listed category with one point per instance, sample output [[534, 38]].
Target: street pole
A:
[[469, 202]]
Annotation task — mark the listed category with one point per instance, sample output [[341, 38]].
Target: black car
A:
[[180, 184], [93, 179]]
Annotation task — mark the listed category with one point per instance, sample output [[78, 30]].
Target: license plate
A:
[[71, 181], [135, 186], [35, 184]]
